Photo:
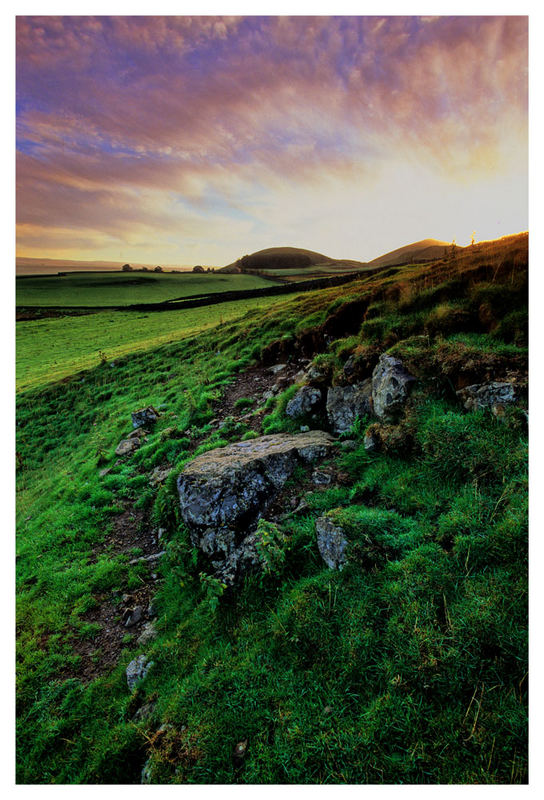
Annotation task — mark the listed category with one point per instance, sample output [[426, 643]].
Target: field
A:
[[123, 289], [49, 350], [408, 666]]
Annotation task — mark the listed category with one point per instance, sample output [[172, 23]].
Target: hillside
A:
[[290, 548], [424, 250], [280, 258]]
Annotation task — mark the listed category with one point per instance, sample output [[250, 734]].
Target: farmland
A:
[[123, 289]]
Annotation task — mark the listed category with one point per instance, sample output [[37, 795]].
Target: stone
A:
[[148, 633], [150, 558], [224, 492], [493, 395], [304, 428], [391, 386], [144, 712], [138, 433], [331, 542], [321, 478], [137, 670], [127, 446], [349, 367], [349, 445], [304, 401], [277, 368], [134, 616], [144, 416], [104, 472], [159, 475], [346, 403]]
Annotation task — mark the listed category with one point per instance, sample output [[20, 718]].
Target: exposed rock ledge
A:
[[224, 492]]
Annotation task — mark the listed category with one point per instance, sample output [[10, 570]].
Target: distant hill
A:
[[285, 258], [424, 250]]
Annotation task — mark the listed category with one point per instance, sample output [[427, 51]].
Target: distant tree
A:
[[126, 268], [144, 269], [198, 268], [473, 238], [157, 269]]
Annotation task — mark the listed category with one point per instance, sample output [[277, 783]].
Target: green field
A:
[[123, 289], [51, 349], [408, 666]]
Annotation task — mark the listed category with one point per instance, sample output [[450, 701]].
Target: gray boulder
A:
[[137, 670], [127, 446], [346, 403], [391, 386], [304, 402], [144, 416], [223, 493], [493, 395], [331, 542]]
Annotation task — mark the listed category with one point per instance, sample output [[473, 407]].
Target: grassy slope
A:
[[107, 288], [49, 350], [407, 666]]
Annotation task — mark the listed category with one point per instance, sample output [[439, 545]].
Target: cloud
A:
[[119, 117]]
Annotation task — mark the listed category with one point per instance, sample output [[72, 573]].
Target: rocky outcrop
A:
[[346, 403], [304, 402], [493, 395], [144, 416], [331, 542], [223, 493], [391, 386]]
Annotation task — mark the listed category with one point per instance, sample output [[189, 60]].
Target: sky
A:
[[195, 140]]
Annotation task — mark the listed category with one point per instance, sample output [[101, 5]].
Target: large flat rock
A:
[[223, 492]]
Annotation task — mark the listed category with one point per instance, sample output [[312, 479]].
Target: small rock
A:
[[348, 445], [240, 751], [144, 712], [277, 368], [346, 403], [321, 478], [125, 598], [391, 385], [137, 670], [148, 634], [127, 446], [331, 542], [104, 472], [152, 557], [304, 428], [304, 401], [159, 475], [160, 533], [134, 616], [493, 395], [151, 610], [138, 433], [144, 416]]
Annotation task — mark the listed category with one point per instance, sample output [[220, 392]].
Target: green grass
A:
[[123, 289], [408, 666], [49, 350]]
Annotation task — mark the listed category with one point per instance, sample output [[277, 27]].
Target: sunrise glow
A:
[[184, 140]]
